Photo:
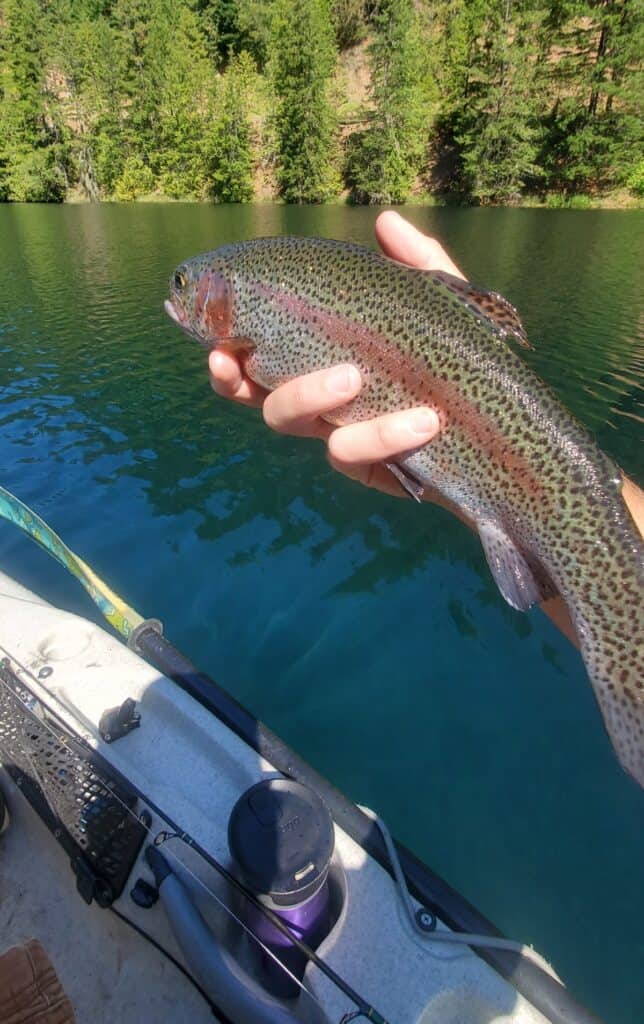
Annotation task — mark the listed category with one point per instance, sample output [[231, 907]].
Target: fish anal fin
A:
[[520, 578], [500, 313], [406, 480]]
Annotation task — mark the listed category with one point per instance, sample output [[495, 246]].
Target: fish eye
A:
[[179, 281]]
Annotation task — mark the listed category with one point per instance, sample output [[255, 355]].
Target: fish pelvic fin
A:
[[411, 485], [499, 313], [520, 578]]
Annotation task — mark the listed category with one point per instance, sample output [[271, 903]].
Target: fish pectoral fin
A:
[[406, 480], [236, 345], [500, 313], [521, 579]]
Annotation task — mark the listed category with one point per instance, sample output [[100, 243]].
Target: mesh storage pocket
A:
[[78, 794]]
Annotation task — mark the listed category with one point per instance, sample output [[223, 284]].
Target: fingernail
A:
[[343, 379], [422, 422]]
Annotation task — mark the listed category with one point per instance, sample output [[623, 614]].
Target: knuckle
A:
[[388, 432], [271, 419], [298, 398], [335, 449]]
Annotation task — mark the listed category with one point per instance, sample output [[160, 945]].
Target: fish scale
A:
[[546, 501]]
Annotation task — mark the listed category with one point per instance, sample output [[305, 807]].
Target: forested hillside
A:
[[467, 100]]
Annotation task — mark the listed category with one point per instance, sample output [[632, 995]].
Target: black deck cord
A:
[[542, 990], [364, 1007], [219, 1014]]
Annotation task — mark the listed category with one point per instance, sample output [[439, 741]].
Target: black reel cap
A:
[[281, 838]]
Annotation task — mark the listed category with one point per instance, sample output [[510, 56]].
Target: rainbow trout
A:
[[545, 500]]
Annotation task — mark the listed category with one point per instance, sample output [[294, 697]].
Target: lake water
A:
[[363, 629]]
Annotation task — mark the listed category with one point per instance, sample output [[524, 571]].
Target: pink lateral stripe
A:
[[450, 404]]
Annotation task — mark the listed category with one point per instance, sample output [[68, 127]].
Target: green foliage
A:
[[255, 19], [37, 176], [559, 201], [135, 180], [180, 80], [349, 22], [478, 100], [580, 202], [594, 127], [384, 159], [304, 57], [90, 62], [494, 98], [230, 152], [33, 157], [635, 180]]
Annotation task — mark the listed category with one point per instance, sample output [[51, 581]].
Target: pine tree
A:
[[489, 76], [33, 159], [230, 156], [349, 19], [499, 130], [304, 57], [88, 56], [144, 50], [384, 160], [594, 128], [168, 84], [178, 65]]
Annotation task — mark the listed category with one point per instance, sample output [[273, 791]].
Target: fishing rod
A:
[[145, 637], [175, 832], [129, 623], [124, 619]]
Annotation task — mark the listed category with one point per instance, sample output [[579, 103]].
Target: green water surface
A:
[[364, 629]]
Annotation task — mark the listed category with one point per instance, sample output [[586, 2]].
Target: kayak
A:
[[213, 871]]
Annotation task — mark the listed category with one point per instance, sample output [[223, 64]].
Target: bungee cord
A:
[[163, 837], [446, 936], [128, 622]]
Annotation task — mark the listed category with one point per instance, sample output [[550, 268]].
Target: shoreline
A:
[[619, 201]]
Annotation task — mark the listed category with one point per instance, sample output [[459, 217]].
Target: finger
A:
[[294, 407], [376, 476], [401, 241], [228, 380], [382, 438]]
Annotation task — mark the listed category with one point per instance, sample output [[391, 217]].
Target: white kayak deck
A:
[[194, 769]]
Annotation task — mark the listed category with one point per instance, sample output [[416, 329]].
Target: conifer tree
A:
[[230, 157], [88, 56], [384, 160], [177, 63], [33, 164], [121, 97], [594, 127], [304, 57], [498, 126]]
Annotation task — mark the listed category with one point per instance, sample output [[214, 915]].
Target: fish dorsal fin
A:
[[520, 579], [499, 313]]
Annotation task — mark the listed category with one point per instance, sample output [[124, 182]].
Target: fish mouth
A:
[[173, 312], [178, 314]]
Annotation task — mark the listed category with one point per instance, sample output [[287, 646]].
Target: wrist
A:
[[634, 499]]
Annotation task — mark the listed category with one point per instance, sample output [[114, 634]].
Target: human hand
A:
[[359, 449]]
